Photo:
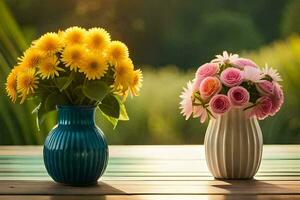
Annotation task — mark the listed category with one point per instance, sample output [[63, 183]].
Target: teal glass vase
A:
[[76, 151]]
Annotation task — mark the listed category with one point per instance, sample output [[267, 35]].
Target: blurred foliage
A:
[[185, 32], [160, 33], [290, 20], [17, 121], [154, 115], [284, 56], [155, 118]]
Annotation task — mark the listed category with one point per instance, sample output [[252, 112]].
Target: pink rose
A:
[[238, 96], [242, 62], [208, 69], [209, 87], [219, 104], [265, 87], [231, 77], [277, 99], [263, 107]]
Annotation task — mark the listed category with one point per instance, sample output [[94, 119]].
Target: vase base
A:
[[232, 179], [79, 184]]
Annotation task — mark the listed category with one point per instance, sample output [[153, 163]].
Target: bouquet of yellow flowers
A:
[[76, 67]]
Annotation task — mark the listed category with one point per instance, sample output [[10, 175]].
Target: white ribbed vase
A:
[[233, 145]]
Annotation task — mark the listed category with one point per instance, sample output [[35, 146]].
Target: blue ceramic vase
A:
[[75, 151]]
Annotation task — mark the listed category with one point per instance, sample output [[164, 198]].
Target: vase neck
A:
[[76, 115], [236, 115]]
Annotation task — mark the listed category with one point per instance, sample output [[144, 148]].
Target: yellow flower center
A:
[[50, 45], [121, 71], [117, 53], [97, 41], [27, 82], [49, 66], [34, 60], [94, 64], [75, 55], [76, 37]]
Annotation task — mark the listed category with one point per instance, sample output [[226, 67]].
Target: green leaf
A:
[[48, 103], [123, 113], [112, 120], [54, 99], [110, 106], [63, 82], [95, 90], [36, 109], [78, 91], [40, 112]]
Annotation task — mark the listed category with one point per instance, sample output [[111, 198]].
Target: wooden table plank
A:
[[153, 172], [26, 163], [153, 187], [151, 197]]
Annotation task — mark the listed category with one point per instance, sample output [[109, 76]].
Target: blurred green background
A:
[[168, 39]]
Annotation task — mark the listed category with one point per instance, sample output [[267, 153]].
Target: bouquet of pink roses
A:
[[231, 81]]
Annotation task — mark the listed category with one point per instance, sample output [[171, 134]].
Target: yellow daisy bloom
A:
[[97, 39], [94, 66], [48, 43], [73, 56], [48, 68], [31, 58], [26, 83], [60, 33], [74, 35], [11, 85], [124, 75], [117, 51], [136, 83]]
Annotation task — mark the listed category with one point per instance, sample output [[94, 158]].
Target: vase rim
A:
[[81, 107]]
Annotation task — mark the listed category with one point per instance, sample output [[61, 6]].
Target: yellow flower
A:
[[73, 56], [74, 35], [123, 75], [11, 85], [94, 66], [31, 58], [136, 83], [97, 39], [117, 51], [48, 43], [26, 83], [60, 33], [48, 68]]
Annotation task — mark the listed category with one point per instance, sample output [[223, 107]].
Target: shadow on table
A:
[[80, 197], [246, 189], [98, 191]]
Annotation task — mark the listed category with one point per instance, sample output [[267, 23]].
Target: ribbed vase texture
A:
[[233, 145], [75, 151]]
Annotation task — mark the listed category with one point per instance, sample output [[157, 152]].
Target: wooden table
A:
[[152, 172]]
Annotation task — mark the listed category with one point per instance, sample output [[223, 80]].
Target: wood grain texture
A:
[[151, 197], [152, 172], [152, 187]]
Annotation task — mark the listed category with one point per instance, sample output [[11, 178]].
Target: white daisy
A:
[[225, 58], [272, 73], [186, 104], [252, 74], [201, 112]]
